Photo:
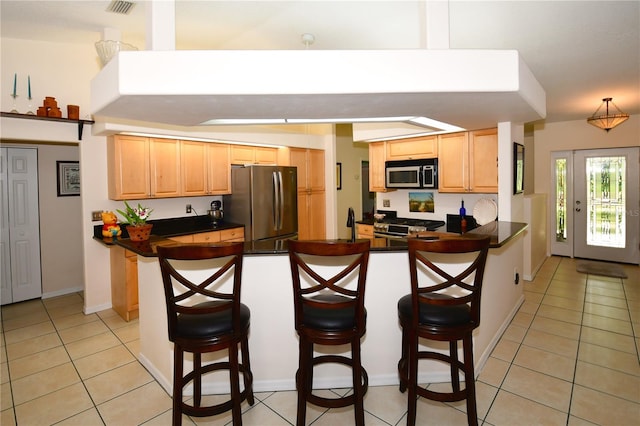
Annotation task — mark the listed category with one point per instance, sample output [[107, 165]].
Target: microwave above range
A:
[[412, 174]]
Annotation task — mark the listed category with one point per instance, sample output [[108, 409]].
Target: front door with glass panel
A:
[[605, 205]]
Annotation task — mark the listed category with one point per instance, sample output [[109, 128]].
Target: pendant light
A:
[[609, 120]]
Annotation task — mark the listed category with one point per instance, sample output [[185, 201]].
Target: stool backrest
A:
[[465, 257], [201, 279], [321, 268]]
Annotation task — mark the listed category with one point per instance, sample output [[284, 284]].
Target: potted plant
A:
[[136, 220]]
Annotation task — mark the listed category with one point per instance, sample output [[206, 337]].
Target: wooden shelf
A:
[[80, 123]]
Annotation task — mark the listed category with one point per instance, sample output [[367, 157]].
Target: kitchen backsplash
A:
[[443, 203]]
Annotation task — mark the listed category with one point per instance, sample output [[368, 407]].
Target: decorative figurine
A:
[[110, 229]]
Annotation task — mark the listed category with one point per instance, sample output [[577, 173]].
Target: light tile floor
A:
[[569, 357]]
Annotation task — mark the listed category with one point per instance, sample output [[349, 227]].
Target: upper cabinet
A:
[[206, 169], [141, 168], [164, 160], [412, 148], [128, 167], [244, 154], [377, 157], [468, 161], [311, 192]]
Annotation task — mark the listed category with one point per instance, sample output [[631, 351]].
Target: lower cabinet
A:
[[124, 269], [124, 282], [366, 232]]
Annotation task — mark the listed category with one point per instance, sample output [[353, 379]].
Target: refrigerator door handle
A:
[[280, 201], [276, 201]]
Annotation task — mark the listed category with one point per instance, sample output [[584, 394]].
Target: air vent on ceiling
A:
[[120, 6]]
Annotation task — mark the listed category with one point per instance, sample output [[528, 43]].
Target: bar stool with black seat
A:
[[328, 287], [202, 291], [444, 305]]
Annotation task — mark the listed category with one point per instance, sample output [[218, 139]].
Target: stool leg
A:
[[248, 381], [197, 379], [304, 379], [177, 385], [455, 372], [469, 379], [358, 389], [234, 379], [412, 382], [402, 364]]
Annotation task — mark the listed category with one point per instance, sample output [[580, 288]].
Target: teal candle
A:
[[29, 84], [15, 79]]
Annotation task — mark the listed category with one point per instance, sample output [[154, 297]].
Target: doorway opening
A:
[[368, 197]]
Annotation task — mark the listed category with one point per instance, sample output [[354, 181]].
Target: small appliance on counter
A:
[[454, 223], [215, 213]]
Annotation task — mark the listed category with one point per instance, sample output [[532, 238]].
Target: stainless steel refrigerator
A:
[[264, 199]]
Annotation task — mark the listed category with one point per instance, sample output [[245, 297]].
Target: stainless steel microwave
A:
[[411, 174]]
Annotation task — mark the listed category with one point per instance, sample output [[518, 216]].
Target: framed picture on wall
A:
[[68, 173], [518, 168]]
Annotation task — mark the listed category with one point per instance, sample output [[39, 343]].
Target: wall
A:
[[351, 155], [60, 70], [574, 135]]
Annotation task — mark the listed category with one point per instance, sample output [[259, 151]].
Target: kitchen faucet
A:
[[351, 222]]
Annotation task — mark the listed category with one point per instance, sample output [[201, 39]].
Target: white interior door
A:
[[20, 222], [5, 255], [606, 204]]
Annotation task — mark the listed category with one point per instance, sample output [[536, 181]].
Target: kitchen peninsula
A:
[[273, 343]]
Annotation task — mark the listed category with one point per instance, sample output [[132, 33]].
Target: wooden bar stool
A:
[[328, 311], [443, 306], [203, 318]]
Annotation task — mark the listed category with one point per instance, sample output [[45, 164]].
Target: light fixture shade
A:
[[609, 120]]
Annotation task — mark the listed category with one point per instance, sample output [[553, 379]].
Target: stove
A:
[[401, 227]]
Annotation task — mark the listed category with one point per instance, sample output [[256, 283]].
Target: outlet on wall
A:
[[516, 276], [96, 215], [386, 203], [188, 209]]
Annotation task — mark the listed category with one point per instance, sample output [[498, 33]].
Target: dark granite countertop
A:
[[501, 233], [163, 228]]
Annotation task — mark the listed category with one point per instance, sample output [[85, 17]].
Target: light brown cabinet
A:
[[128, 167], [228, 235], [468, 162], [377, 157], [205, 168], [311, 192], [244, 154], [364, 231], [412, 148], [164, 161], [124, 282], [140, 168]]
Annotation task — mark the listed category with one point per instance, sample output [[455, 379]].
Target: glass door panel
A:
[[562, 196], [606, 222]]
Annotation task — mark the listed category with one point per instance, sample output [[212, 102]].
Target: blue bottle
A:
[[463, 219]]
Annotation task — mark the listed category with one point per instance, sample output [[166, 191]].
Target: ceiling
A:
[[579, 51]]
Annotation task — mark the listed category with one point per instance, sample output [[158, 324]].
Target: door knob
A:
[[578, 209]]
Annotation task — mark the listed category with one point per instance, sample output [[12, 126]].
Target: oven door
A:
[[393, 240]]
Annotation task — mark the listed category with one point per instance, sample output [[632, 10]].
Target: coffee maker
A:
[[215, 213]]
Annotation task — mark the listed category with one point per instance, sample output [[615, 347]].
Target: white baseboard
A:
[[93, 309], [63, 292]]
